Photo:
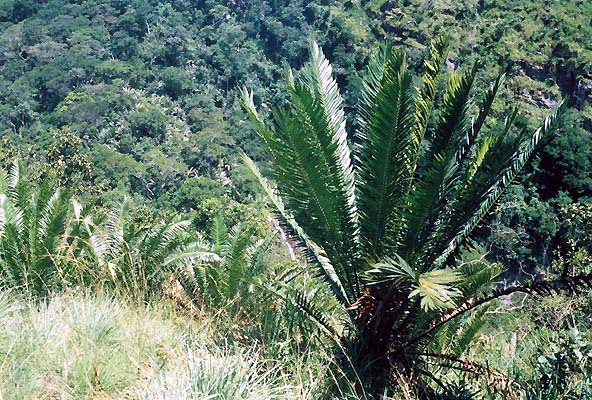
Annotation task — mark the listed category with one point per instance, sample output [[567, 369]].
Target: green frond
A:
[[520, 155], [306, 303], [312, 164], [432, 190], [218, 234], [570, 284], [456, 336], [309, 303], [115, 225], [392, 271], [387, 149], [498, 380], [318, 77], [314, 253], [468, 144], [3, 181], [492, 151], [15, 173], [436, 289], [454, 117], [193, 252], [3, 216], [234, 258], [478, 276], [52, 220], [159, 242], [468, 330], [257, 253], [427, 92]]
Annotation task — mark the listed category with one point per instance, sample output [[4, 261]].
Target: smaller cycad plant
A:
[[138, 258], [44, 235], [237, 258]]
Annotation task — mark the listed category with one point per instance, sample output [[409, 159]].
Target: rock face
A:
[[583, 90], [534, 71], [537, 98], [575, 82], [572, 81]]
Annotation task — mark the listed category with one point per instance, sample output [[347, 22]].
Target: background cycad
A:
[[139, 257], [236, 260]]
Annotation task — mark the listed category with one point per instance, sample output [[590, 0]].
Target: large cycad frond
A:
[[502, 163], [308, 143], [432, 185], [387, 147], [315, 254]]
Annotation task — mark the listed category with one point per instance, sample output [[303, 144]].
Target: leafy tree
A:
[[384, 225], [67, 158]]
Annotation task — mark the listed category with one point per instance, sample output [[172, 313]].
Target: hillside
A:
[[124, 185]]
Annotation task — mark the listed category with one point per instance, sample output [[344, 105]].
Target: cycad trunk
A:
[[379, 315]]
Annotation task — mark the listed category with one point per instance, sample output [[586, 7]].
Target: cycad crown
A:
[[416, 185]]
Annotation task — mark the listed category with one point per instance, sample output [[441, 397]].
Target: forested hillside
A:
[[134, 108]]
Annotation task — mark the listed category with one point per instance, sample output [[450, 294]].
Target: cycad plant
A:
[[235, 259], [44, 235], [138, 257], [382, 212]]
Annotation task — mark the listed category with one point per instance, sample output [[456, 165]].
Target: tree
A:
[[384, 224]]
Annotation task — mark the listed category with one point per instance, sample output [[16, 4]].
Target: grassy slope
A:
[[78, 346]]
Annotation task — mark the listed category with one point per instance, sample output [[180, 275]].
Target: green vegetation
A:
[[83, 346], [394, 232], [141, 98]]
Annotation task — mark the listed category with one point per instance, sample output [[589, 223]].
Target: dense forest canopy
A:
[[140, 97]]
